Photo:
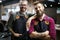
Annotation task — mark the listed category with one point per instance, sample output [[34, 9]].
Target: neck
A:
[[41, 17], [21, 12]]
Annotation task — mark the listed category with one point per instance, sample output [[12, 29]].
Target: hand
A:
[[47, 37], [46, 33], [43, 35], [17, 34]]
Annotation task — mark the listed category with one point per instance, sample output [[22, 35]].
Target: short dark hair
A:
[[36, 2], [22, 2]]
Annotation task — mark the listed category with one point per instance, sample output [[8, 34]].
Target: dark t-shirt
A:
[[19, 25]]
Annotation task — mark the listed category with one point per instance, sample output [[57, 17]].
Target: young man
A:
[[41, 26], [18, 29]]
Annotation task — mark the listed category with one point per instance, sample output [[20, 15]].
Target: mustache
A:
[[39, 14]]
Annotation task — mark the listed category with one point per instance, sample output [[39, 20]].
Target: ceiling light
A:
[[51, 0], [51, 5], [45, 5], [0, 1]]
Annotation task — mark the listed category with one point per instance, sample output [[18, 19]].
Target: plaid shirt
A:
[[52, 31]]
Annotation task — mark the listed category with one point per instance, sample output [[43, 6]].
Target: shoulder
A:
[[15, 15], [51, 19], [48, 19], [31, 18]]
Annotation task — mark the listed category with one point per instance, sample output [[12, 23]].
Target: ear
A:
[[43, 7]]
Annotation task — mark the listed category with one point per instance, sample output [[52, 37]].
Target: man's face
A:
[[23, 6], [39, 8]]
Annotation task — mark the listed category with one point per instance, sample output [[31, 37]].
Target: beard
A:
[[39, 13]]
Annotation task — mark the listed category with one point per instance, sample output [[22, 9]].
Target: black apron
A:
[[40, 27], [19, 26]]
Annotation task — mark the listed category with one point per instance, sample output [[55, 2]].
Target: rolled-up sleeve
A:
[[52, 30], [31, 28]]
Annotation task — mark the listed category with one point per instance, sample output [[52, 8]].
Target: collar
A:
[[22, 13], [42, 18]]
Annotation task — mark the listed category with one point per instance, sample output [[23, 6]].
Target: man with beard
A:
[[41, 26], [18, 28]]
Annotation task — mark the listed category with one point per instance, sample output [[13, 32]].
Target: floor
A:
[[57, 36]]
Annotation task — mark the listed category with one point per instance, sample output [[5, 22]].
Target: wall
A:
[[58, 18], [52, 13]]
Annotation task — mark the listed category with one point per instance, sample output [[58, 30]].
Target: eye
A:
[[23, 5], [35, 8], [39, 7]]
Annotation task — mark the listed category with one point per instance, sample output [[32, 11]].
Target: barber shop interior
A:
[[29, 19]]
